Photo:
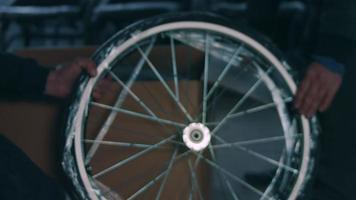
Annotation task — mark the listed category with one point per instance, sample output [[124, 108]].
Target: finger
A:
[[103, 85], [98, 91], [307, 90], [316, 101], [302, 90], [88, 65], [321, 107], [97, 95], [109, 77], [107, 81], [101, 88], [315, 95], [311, 108], [329, 97], [306, 106], [311, 99]]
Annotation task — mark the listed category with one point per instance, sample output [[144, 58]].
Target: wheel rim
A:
[[173, 32]]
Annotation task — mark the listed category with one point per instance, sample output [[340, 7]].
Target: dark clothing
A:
[[21, 78], [337, 18], [335, 30], [336, 173], [21, 179], [336, 38], [330, 32]]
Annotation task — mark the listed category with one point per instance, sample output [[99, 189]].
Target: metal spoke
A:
[[185, 89], [120, 144], [227, 182], [257, 141], [134, 96], [236, 53], [197, 160], [208, 107], [160, 106], [258, 155], [224, 72], [169, 168], [252, 110], [148, 185], [118, 128], [117, 79], [239, 103], [165, 85], [156, 100], [206, 75], [110, 119], [190, 197], [174, 65], [259, 108], [195, 183], [216, 97], [233, 194], [231, 175], [133, 157], [154, 180], [140, 115]]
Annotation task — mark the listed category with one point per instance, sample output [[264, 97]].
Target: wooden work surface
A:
[[36, 127]]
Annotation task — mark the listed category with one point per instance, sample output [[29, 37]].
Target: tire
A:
[[223, 100]]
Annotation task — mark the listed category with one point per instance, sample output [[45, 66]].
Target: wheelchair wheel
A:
[[195, 103]]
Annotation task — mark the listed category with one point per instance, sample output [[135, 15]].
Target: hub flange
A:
[[196, 136]]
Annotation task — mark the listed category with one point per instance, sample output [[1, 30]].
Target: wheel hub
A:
[[196, 136]]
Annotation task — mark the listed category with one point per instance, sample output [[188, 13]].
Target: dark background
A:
[[70, 23]]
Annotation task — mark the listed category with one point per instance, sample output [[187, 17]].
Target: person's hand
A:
[[317, 91], [101, 88], [60, 81]]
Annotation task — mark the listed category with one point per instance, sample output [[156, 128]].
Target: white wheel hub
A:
[[196, 136]]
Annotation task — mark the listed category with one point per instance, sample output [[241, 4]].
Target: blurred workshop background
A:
[[72, 23]]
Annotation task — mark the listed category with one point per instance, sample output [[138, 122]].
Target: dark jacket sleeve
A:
[[336, 34], [21, 77]]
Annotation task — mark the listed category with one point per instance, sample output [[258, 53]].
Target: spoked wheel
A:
[[193, 105]]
